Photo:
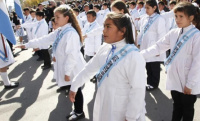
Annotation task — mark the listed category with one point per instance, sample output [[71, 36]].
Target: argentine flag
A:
[[5, 25], [18, 10]]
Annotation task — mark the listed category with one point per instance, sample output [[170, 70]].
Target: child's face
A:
[[39, 18], [90, 18], [140, 6], [183, 20], [150, 10], [33, 15], [105, 7], [161, 7], [60, 20], [96, 10], [117, 10], [171, 6], [111, 33], [86, 8], [131, 6]]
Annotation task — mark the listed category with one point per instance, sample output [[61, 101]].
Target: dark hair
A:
[[141, 3], [120, 6], [26, 9], [76, 10], [132, 3], [161, 3], [92, 12], [122, 21], [53, 19], [39, 13], [97, 6], [153, 3], [172, 2], [105, 4], [190, 10], [67, 11]]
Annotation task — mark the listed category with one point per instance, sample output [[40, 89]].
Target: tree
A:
[[31, 3]]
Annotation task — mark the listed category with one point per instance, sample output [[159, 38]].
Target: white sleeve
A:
[[168, 15], [97, 31], [87, 72], [97, 41], [137, 79], [161, 28], [42, 41], [160, 47], [193, 75], [29, 25], [72, 51]]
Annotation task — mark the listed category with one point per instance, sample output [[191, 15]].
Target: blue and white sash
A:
[[3, 56], [91, 27], [118, 56], [147, 26], [38, 26], [59, 37], [181, 42]]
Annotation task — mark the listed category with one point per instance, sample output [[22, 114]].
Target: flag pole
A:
[[4, 47]]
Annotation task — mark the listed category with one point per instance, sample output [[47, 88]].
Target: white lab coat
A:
[[93, 43], [99, 18], [69, 60], [184, 69], [142, 11], [9, 53], [153, 34], [42, 30], [122, 93], [29, 31], [105, 12]]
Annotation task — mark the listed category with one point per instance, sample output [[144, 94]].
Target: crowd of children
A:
[[120, 43]]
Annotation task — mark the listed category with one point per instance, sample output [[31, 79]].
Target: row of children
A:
[[120, 67]]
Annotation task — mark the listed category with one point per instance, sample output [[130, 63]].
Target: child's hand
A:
[[54, 59], [72, 96], [67, 78], [21, 46], [187, 91], [35, 49]]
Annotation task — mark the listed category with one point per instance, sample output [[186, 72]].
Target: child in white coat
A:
[[183, 65], [69, 61], [120, 73], [152, 28]]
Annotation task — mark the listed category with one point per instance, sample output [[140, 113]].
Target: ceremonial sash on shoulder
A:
[[38, 26], [118, 56], [181, 42], [147, 26], [91, 27], [59, 37], [3, 56]]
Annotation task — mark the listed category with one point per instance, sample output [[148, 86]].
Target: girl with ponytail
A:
[[68, 60]]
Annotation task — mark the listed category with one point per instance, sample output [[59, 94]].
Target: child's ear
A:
[[191, 18], [123, 30]]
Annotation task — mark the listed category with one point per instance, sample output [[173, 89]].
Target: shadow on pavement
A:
[[31, 87], [63, 108], [159, 107]]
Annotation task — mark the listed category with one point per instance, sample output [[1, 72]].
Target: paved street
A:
[[36, 98]]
